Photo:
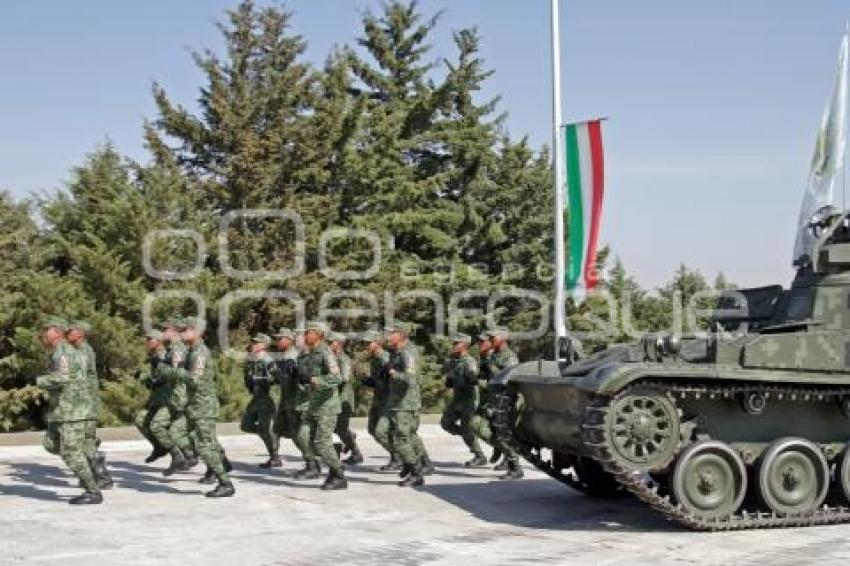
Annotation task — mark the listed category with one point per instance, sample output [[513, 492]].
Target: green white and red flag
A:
[[585, 188]]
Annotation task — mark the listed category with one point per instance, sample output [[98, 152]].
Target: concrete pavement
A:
[[461, 517]]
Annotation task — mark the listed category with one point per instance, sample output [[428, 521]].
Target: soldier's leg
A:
[[281, 422], [160, 427], [449, 420], [427, 467], [321, 431], [178, 430], [403, 426], [347, 436], [142, 423], [321, 434], [209, 449], [468, 435], [51, 438], [250, 418], [72, 449], [91, 438], [381, 432], [303, 441], [267, 432], [213, 456], [302, 436], [471, 440], [404, 438]]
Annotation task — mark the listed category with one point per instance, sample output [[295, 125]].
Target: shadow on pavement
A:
[[33, 478], [144, 478], [545, 504]]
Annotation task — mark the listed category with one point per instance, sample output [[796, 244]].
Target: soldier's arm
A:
[[266, 371], [332, 377], [57, 378], [175, 368], [407, 373], [248, 376], [470, 373]]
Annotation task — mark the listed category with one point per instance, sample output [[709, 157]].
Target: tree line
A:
[[386, 136]]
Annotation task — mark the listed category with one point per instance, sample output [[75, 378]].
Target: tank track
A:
[[645, 489], [502, 411]]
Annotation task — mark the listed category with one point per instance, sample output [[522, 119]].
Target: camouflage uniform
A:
[[155, 419], [379, 414], [347, 406], [404, 403], [286, 373], [69, 407], [177, 398], [457, 418], [94, 387], [318, 367], [202, 409], [492, 365], [260, 413]]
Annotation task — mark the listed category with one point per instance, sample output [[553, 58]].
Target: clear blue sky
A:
[[713, 105]]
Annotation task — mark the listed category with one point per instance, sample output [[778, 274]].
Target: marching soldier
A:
[[318, 369], [76, 337], [462, 379], [379, 414], [347, 400], [286, 373], [155, 420], [485, 352], [302, 440], [177, 398], [404, 403], [260, 413], [500, 358], [69, 407], [203, 407]]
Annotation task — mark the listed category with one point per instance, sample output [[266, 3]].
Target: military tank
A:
[[745, 426]]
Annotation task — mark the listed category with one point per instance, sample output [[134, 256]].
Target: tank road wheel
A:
[[710, 480], [642, 429], [793, 477], [844, 470]]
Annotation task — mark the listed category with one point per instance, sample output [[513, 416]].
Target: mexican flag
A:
[[585, 176]]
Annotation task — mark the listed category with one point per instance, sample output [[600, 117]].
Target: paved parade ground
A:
[[461, 517]]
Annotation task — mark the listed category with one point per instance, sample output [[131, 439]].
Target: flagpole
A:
[[558, 165]]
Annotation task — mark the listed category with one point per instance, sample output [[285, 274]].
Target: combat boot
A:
[[406, 470], [427, 467], [192, 459], [101, 472], [502, 466], [479, 461], [87, 498], [355, 458], [158, 452], [335, 481], [514, 472], [223, 489], [178, 463], [393, 465], [311, 471], [228, 467], [497, 455], [273, 462], [415, 479], [208, 479]]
